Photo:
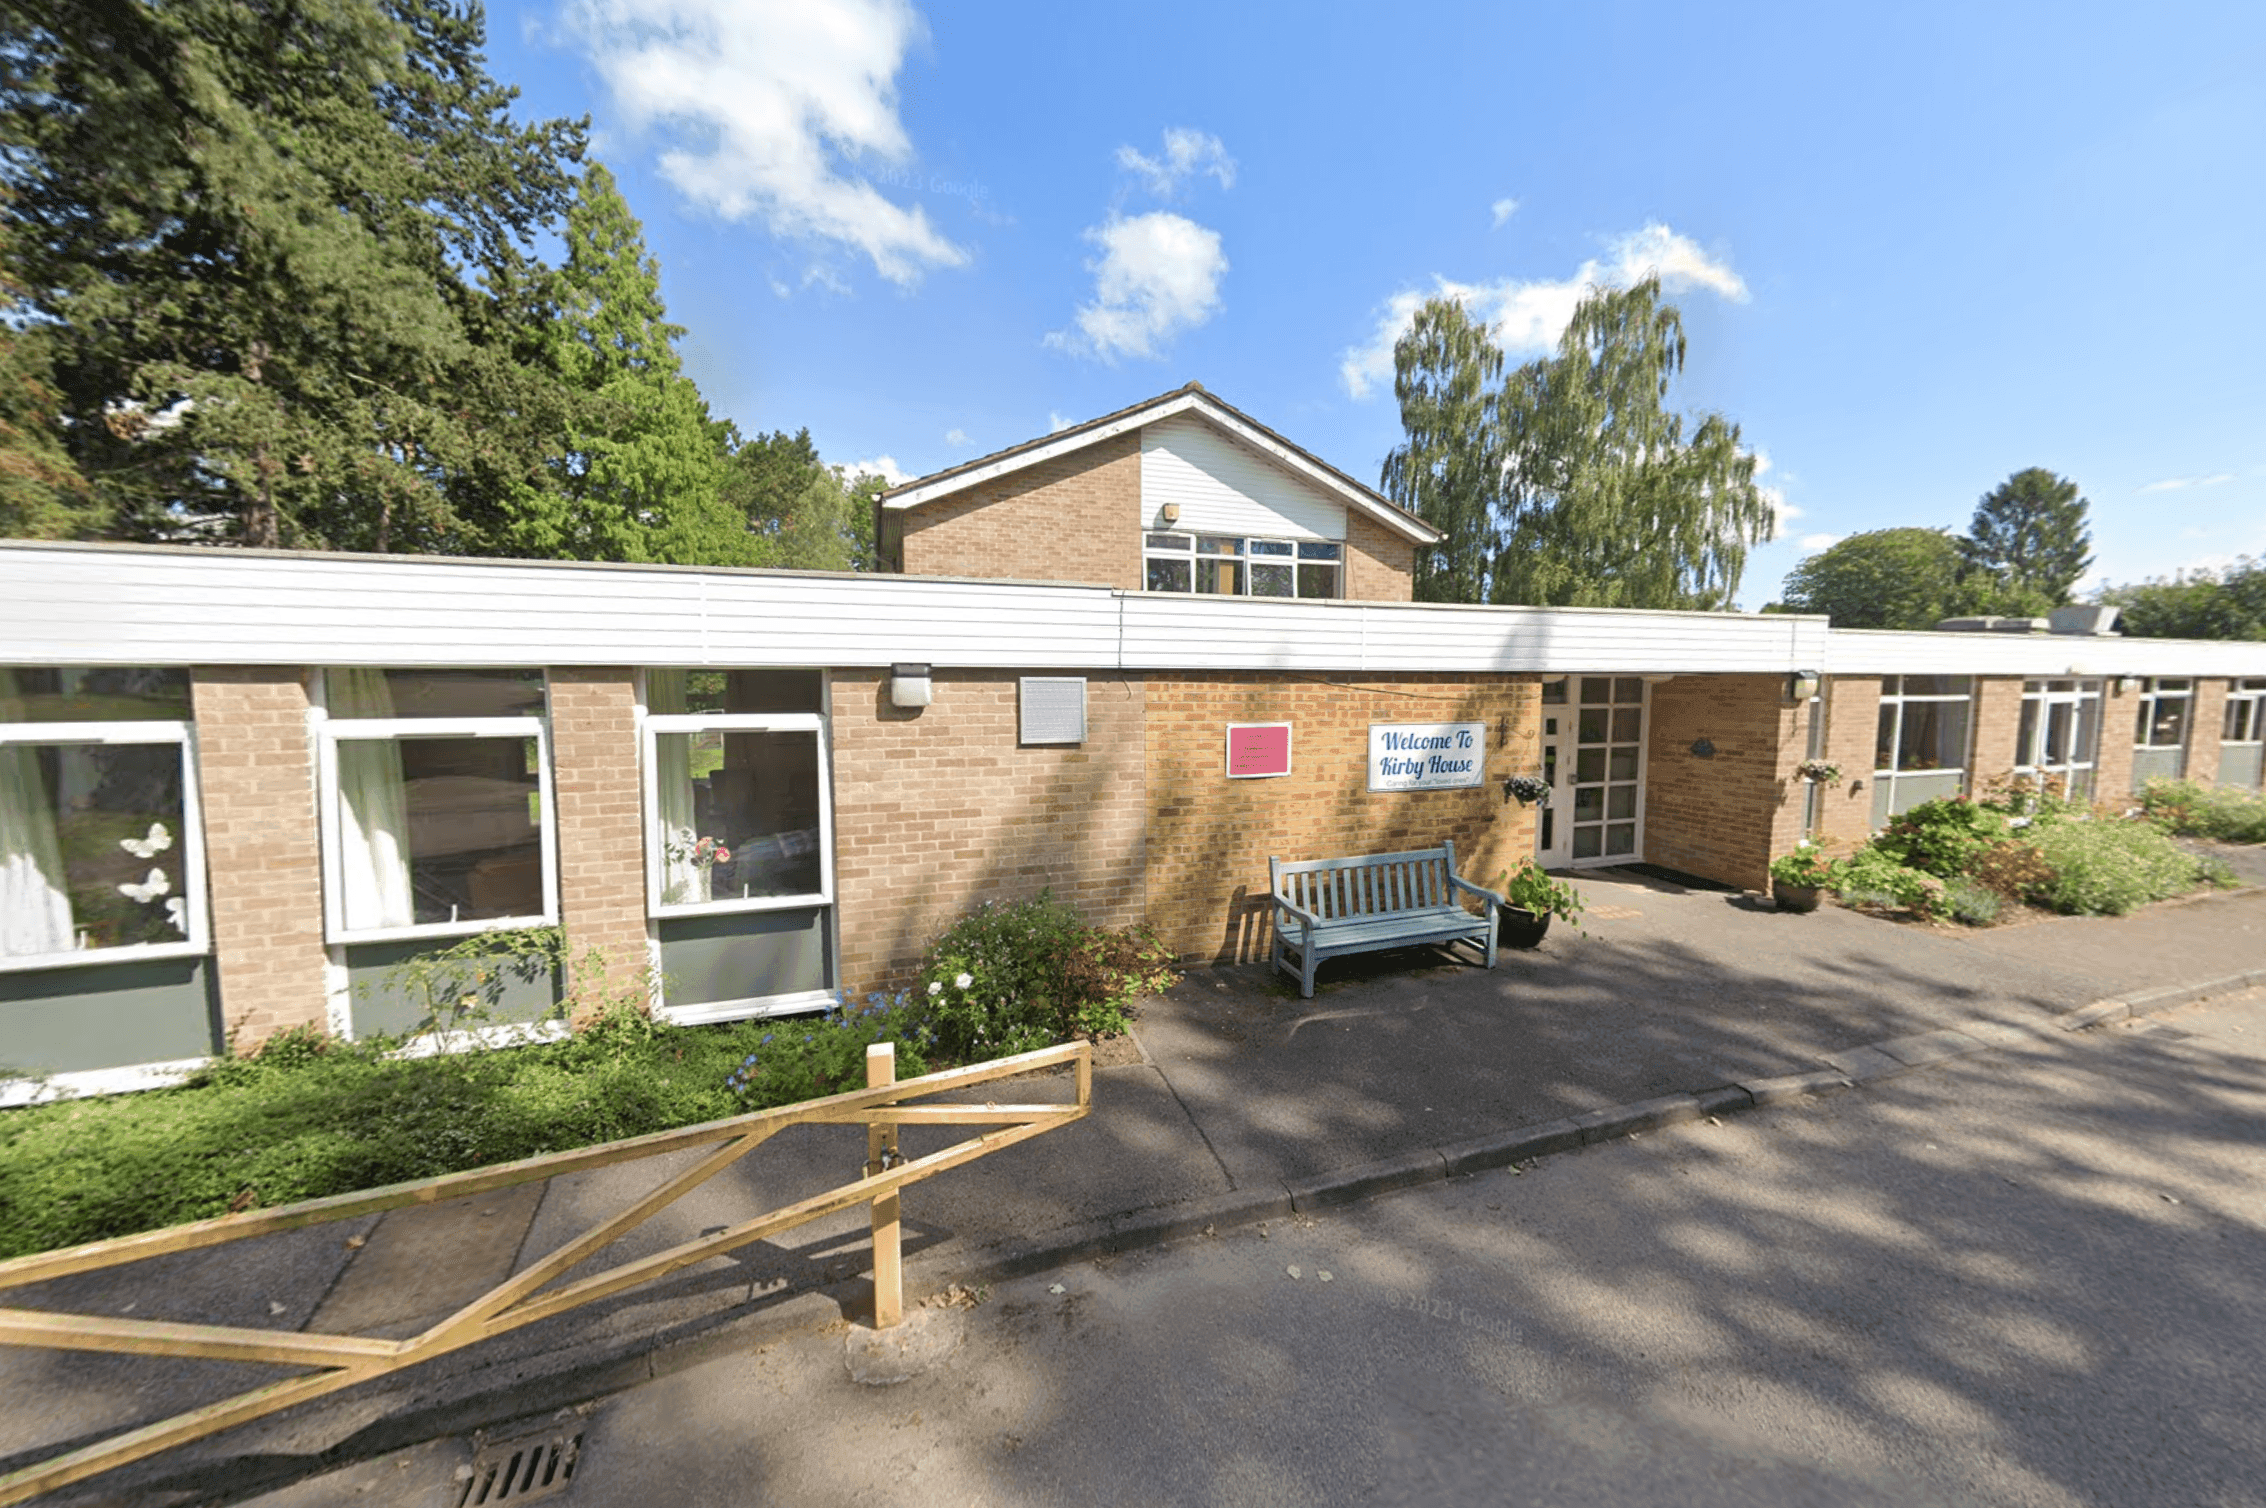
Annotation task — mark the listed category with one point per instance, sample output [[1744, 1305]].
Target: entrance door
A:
[[1593, 758]]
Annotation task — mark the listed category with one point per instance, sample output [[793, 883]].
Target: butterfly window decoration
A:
[[157, 842], [149, 889]]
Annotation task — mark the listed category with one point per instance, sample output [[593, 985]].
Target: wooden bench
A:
[[1327, 908]]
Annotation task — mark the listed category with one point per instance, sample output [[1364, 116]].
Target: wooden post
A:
[[881, 1153]]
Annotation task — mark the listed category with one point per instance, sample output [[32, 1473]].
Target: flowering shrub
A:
[[2107, 868], [2200, 811], [806, 1057], [1942, 837], [2015, 870]]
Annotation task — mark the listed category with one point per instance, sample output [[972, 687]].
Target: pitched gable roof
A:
[[1191, 399]]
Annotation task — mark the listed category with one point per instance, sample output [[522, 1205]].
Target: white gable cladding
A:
[[1222, 488]]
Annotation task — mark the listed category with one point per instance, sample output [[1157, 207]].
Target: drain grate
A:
[[523, 1469]]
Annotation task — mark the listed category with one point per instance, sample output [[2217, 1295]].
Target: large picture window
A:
[[1226, 565], [2243, 736], [436, 801], [101, 851], [738, 800], [2059, 738], [2159, 733], [1920, 747]]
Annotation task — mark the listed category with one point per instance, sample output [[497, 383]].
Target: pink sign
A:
[[1257, 749]]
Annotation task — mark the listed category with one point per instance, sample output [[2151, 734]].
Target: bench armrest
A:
[[1300, 912], [1481, 891]]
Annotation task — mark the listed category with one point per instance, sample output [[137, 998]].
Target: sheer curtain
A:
[[373, 836], [35, 906], [682, 880]]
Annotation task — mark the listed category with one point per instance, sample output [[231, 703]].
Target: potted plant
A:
[[1530, 899], [1797, 878], [1819, 772], [1527, 789]]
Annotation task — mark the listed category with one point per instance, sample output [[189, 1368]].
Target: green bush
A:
[[2107, 868], [1007, 979], [1971, 902], [1873, 877], [1942, 837], [808, 1057], [2192, 810], [2015, 869]]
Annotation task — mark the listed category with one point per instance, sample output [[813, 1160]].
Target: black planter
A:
[[1794, 897], [1521, 929]]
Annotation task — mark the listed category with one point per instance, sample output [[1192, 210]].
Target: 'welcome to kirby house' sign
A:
[[1426, 756]]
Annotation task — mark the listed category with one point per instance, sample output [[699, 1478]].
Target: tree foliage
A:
[[277, 258], [1571, 482], [2028, 543], [2228, 604], [808, 516], [1885, 578]]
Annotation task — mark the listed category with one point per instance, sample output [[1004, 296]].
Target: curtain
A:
[[373, 837], [35, 906], [682, 881]]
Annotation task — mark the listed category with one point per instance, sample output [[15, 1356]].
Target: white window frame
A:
[[2045, 698], [198, 941], [2250, 691], [1244, 560], [329, 731], [2152, 692], [653, 726], [1889, 777]]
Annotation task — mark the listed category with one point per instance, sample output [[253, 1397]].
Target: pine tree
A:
[[280, 256], [2029, 542], [642, 471]]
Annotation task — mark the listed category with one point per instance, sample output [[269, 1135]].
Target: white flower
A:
[[962, 981], [936, 986]]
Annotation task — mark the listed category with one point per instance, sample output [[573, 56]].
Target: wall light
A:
[[909, 686], [1802, 685], [2127, 684], [1172, 513]]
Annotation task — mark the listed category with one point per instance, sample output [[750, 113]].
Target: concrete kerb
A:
[[629, 1364]]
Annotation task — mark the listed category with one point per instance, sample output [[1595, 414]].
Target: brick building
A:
[[238, 788]]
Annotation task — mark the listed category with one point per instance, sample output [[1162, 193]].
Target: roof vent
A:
[[1992, 626], [2098, 619]]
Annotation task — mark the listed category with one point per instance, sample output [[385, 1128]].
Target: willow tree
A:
[[1572, 483], [1449, 470]]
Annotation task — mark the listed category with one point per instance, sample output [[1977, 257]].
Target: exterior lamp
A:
[[1802, 685], [909, 686], [2127, 684], [1172, 513]]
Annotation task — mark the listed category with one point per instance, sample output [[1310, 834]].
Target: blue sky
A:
[[1917, 247]]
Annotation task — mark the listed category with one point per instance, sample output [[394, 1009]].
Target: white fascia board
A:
[[913, 494], [1854, 651]]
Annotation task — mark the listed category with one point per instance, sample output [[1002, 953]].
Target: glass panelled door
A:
[[1553, 833], [1608, 771]]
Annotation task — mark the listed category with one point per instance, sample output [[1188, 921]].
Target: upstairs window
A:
[[1228, 565]]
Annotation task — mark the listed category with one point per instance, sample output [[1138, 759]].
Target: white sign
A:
[[1426, 756]]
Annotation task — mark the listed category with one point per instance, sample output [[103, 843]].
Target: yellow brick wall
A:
[[1851, 725], [1724, 815], [938, 810], [256, 781], [1996, 723], [1075, 518], [1209, 837], [1380, 566], [2210, 724], [594, 777]]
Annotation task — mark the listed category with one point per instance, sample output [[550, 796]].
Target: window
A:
[[1226, 565], [435, 802], [738, 805], [1920, 746], [101, 850], [2242, 746], [2059, 736], [2159, 731]]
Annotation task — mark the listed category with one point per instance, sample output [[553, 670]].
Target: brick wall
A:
[[2210, 723], [1995, 724], [938, 810], [1209, 837], [1845, 811], [1075, 518], [2112, 776], [1725, 815], [256, 781], [594, 779], [1380, 566]]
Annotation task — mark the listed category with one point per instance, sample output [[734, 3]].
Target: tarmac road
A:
[[2031, 1276]]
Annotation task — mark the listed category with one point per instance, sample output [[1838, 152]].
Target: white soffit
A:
[[1401, 522]]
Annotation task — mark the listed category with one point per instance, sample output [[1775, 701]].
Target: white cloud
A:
[[1812, 543], [1503, 210], [2180, 483], [956, 436], [1056, 424], [1186, 152], [1782, 512], [1528, 317], [771, 106], [1159, 274], [885, 467]]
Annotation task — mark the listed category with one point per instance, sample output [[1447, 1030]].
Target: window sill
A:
[[94, 957], [728, 907], [438, 930]]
